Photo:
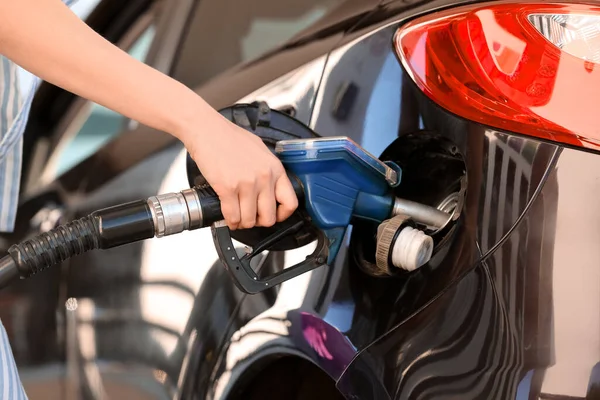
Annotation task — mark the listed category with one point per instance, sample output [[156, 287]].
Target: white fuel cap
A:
[[410, 248]]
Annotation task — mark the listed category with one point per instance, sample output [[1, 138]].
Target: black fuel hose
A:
[[157, 216]]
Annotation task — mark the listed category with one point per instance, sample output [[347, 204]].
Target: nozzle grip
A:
[[210, 204]]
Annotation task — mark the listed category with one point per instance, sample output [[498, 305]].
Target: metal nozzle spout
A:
[[421, 213]]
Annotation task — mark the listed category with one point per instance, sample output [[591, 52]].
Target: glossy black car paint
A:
[[506, 308]]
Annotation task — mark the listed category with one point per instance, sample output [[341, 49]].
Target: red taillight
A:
[[530, 68]]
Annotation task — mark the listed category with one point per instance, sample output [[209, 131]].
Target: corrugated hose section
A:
[[57, 245]]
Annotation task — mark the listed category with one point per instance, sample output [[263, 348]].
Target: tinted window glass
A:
[[224, 33], [100, 124]]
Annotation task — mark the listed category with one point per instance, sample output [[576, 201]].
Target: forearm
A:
[[47, 39]]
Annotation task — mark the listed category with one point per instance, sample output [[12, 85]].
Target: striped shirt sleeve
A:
[[13, 116], [14, 113]]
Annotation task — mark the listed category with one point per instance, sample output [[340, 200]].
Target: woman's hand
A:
[[246, 176]]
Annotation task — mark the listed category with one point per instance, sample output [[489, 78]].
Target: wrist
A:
[[193, 118]]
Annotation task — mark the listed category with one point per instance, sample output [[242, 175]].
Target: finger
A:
[[285, 195], [230, 207], [248, 204], [267, 206]]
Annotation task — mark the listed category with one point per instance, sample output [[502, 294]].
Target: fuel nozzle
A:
[[158, 216]]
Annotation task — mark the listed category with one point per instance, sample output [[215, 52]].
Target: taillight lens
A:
[[530, 68]]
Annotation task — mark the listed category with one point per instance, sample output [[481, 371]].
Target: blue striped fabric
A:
[[14, 112], [10, 384], [13, 116]]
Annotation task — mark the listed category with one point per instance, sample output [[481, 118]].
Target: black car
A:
[[488, 108]]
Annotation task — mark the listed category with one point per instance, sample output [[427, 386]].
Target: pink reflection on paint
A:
[[316, 338]]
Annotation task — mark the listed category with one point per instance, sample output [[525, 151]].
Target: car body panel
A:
[[505, 173], [510, 330]]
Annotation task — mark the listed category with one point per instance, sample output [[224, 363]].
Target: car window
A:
[[83, 8], [224, 33], [99, 124]]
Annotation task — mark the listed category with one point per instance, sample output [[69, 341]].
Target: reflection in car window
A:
[[267, 33], [240, 31], [101, 124]]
